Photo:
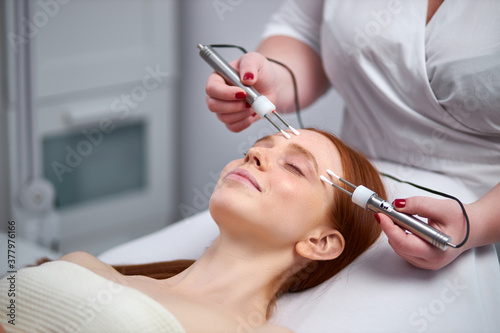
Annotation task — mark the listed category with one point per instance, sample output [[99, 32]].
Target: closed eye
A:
[[295, 169]]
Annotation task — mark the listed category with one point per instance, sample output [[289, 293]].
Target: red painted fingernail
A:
[[254, 114], [377, 218], [248, 76], [247, 105], [400, 203], [240, 95]]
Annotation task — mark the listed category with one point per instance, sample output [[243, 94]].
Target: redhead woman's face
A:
[[274, 195]]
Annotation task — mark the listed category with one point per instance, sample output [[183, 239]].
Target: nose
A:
[[256, 157]]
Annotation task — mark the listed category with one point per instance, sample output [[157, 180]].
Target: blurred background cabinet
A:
[[104, 79]]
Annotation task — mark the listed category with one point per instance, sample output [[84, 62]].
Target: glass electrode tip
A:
[[326, 180], [294, 131], [323, 178], [333, 174], [285, 134]]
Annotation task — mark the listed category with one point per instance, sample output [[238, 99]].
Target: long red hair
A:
[[357, 226]]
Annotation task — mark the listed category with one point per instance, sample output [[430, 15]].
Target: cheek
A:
[[297, 207], [294, 195], [230, 166]]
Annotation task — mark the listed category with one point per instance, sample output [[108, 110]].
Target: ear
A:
[[325, 245]]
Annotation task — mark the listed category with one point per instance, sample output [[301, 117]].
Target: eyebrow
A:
[[295, 148]]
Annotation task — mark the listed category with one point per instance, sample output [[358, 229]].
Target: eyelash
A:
[[294, 169]]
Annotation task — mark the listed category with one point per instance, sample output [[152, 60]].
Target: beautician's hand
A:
[[270, 80], [228, 102], [444, 215]]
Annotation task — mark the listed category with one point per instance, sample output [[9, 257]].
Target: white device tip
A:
[[285, 134], [323, 178], [294, 130], [333, 174]]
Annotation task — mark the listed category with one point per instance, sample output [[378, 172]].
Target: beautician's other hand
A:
[[444, 215], [228, 102]]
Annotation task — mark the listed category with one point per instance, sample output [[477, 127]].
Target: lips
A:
[[245, 176]]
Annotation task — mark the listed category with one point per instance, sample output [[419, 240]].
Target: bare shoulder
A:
[[86, 260], [273, 329], [78, 257]]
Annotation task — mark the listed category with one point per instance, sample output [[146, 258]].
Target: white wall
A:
[[206, 145]]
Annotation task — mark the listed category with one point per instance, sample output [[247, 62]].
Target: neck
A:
[[242, 278]]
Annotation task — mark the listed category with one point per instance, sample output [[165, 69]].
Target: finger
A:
[[221, 106], [217, 88], [435, 209], [403, 243], [242, 124], [249, 67], [235, 117], [396, 236]]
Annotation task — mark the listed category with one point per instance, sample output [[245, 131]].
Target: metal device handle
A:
[[222, 67], [410, 223]]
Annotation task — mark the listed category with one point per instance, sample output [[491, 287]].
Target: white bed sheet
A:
[[379, 292]]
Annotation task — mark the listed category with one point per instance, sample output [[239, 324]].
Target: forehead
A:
[[322, 148]]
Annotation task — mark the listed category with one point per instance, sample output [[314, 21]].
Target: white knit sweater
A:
[[61, 296]]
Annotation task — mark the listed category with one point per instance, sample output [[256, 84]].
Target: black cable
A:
[[443, 195], [242, 49], [294, 81], [295, 90]]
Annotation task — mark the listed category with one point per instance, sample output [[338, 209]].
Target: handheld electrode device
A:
[[367, 199], [259, 103]]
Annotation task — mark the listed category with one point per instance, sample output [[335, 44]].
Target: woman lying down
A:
[[281, 230]]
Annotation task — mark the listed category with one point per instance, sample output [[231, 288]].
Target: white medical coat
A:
[[426, 96]]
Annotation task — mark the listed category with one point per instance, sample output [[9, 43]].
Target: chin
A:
[[223, 203], [231, 207]]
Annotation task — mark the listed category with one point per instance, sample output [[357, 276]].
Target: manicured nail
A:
[[247, 105], [377, 218], [254, 114], [400, 203], [248, 76], [240, 95]]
